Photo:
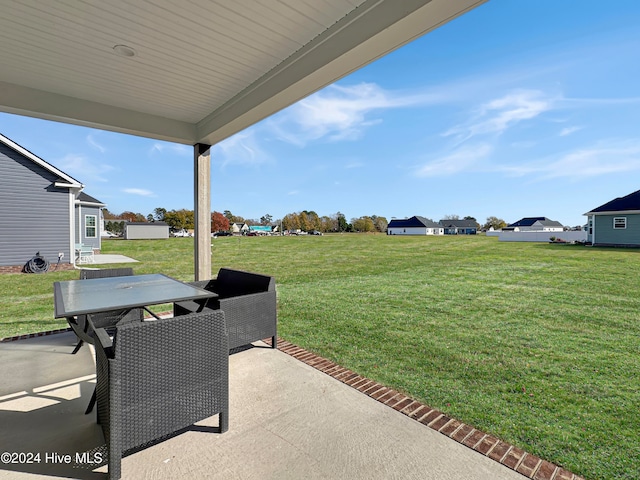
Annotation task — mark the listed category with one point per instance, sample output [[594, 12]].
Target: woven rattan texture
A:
[[248, 301], [165, 375]]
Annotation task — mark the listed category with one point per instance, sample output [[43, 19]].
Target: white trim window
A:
[[90, 226], [619, 223]]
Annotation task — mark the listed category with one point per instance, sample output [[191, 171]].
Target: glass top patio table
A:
[[79, 297]]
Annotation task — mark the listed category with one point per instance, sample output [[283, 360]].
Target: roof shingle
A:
[[620, 204]]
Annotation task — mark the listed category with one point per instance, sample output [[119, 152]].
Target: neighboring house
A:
[[415, 225], [146, 230], [534, 224], [239, 227], [616, 223], [42, 209], [459, 227]]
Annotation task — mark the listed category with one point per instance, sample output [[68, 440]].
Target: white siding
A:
[[408, 231]]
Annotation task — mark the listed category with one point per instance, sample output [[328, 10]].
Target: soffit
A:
[[203, 69]]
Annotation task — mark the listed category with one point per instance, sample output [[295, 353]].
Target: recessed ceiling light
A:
[[124, 51]]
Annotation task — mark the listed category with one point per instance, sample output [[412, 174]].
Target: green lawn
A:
[[537, 344]]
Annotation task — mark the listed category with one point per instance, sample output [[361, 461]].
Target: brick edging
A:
[[492, 447], [25, 336]]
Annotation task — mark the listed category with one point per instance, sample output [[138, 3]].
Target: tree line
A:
[[306, 220]]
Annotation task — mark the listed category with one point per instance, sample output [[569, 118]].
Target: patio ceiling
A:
[[203, 69]]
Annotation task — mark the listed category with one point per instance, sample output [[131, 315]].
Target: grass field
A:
[[537, 344]]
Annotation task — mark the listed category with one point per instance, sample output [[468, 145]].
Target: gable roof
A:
[[414, 222], [627, 203], [67, 180], [459, 223], [529, 221], [88, 199]]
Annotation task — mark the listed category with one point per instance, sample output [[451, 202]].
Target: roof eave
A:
[[92, 204], [69, 181], [614, 212]]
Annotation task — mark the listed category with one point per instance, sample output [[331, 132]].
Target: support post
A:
[[202, 211]]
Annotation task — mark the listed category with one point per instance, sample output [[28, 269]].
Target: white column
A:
[[202, 204]]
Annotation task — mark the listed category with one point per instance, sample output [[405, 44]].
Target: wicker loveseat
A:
[[157, 378], [248, 301]]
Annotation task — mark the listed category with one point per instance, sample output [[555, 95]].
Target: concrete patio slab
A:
[[107, 258], [287, 421]]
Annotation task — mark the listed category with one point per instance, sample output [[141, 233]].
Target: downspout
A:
[[74, 189], [72, 230], [76, 227]]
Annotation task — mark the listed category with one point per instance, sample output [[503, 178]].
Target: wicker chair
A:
[[102, 320], [159, 377], [248, 301]]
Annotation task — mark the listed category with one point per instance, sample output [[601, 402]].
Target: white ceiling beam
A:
[[60, 108]]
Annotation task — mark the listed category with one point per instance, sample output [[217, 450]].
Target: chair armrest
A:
[[209, 285], [245, 298], [104, 341]]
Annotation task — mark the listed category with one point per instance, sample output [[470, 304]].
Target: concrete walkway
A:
[[106, 258], [287, 421]]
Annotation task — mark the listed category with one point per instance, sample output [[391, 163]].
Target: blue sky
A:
[[518, 108]]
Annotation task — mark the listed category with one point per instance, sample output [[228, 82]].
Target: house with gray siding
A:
[[42, 209], [89, 221], [459, 227], [615, 223]]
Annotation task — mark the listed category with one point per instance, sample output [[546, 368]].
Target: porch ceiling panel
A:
[[203, 69]]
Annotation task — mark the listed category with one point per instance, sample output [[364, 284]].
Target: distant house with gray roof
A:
[[459, 227], [615, 223], [42, 209], [415, 225], [534, 224]]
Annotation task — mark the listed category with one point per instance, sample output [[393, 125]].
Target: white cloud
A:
[[92, 141], [351, 165], [595, 161], [293, 192], [569, 130], [461, 159], [604, 158], [84, 169], [500, 114], [240, 149], [171, 148], [339, 113], [139, 191]]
